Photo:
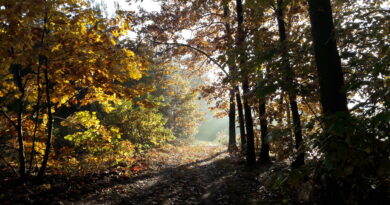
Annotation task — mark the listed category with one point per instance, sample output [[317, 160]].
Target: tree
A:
[[333, 96], [290, 85], [17, 77], [241, 119], [232, 121], [332, 91], [232, 70], [250, 149], [69, 49], [264, 151], [182, 106]]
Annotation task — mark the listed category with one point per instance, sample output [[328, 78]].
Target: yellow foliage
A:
[[56, 47], [80, 53], [112, 41]]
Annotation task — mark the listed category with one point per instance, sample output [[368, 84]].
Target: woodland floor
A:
[[185, 174]]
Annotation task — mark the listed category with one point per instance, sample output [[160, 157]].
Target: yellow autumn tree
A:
[[57, 53]]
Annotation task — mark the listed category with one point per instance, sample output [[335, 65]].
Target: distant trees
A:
[[180, 103]]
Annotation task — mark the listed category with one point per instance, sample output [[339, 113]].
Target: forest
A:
[[105, 102]]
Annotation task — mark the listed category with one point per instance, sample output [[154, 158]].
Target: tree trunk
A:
[[264, 152], [22, 158], [42, 170], [38, 107], [300, 160], [232, 71], [288, 113], [250, 149], [16, 70], [333, 101], [232, 122], [241, 120], [41, 60], [333, 98], [290, 87]]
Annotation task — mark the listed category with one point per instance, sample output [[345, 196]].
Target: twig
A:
[[9, 119]]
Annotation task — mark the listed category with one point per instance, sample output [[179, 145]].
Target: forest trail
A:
[[184, 174]]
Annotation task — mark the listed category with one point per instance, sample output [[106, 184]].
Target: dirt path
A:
[[182, 174], [188, 175]]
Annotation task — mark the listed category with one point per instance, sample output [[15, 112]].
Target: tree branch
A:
[[197, 50], [9, 119]]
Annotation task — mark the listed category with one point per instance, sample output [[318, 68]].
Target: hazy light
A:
[[148, 5], [209, 129]]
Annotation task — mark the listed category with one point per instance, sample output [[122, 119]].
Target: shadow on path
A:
[[215, 180], [218, 179]]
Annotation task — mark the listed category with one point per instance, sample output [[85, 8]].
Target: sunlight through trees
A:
[[97, 90]]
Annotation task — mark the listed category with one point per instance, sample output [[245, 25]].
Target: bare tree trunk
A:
[[232, 122], [36, 117], [264, 151], [330, 75], [299, 161], [250, 149], [38, 107], [42, 170], [332, 97], [241, 120], [290, 88], [232, 71], [16, 70], [22, 158], [288, 113]]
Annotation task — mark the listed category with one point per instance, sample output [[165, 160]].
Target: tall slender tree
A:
[[232, 104], [232, 121], [290, 84], [250, 149], [241, 119], [42, 170], [17, 72]]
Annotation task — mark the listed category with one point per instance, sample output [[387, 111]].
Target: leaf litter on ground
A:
[[180, 173]]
